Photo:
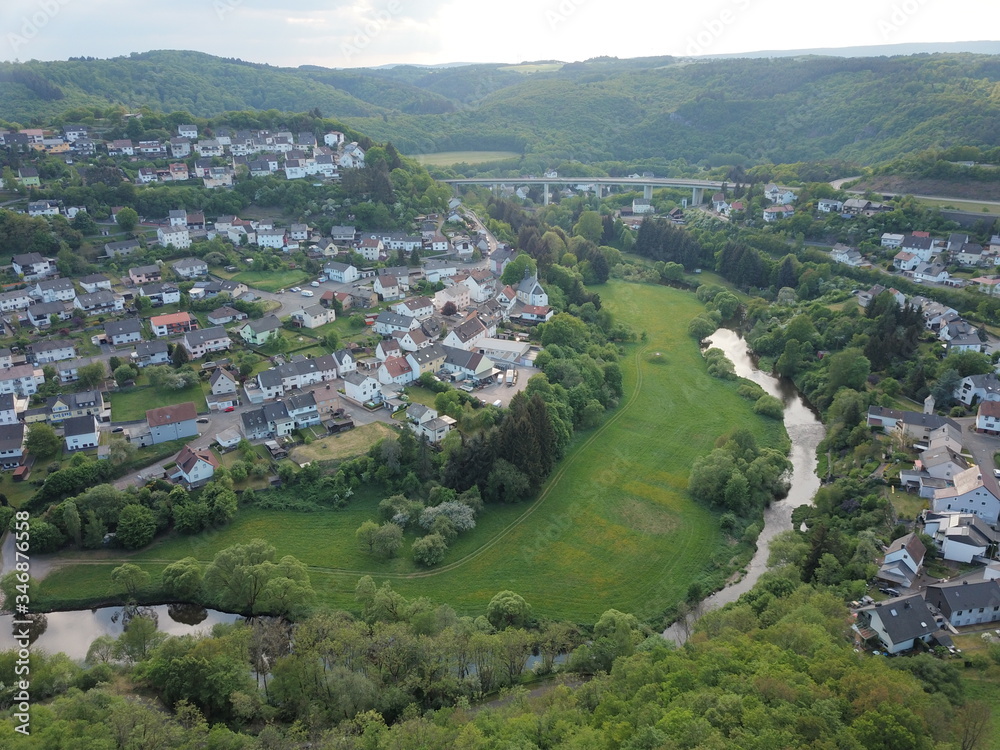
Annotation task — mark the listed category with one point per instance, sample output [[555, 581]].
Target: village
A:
[[432, 302]]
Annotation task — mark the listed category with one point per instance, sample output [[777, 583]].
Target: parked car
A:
[[117, 429], [295, 289], [314, 283], [307, 293], [203, 420], [230, 408], [321, 279]]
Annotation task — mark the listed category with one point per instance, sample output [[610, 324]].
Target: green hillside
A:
[[861, 110]]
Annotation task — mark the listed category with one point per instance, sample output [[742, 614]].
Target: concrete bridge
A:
[[647, 184]]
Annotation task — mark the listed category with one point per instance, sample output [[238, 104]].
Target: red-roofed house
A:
[[195, 466], [173, 324], [172, 422], [988, 418], [395, 370]]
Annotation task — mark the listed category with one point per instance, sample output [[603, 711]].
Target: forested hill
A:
[[864, 110]]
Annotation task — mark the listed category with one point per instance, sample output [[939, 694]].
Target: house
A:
[[415, 307], [207, 147], [892, 240], [371, 248], [146, 175], [150, 353], [83, 404], [969, 342], [352, 157], [978, 388], [902, 562], [467, 335], [173, 324], [975, 491], [457, 295], [179, 237], [12, 438], [272, 238], [95, 282], [777, 194], [848, 255], [906, 261], [387, 349], [536, 313], [829, 206], [914, 425], [988, 417], [344, 361], [343, 234], [302, 409], [507, 351], [942, 462], [314, 316], [897, 623], [120, 249], [428, 359], [69, 371], [43, 208], [190, 268], [934, 272], [967, 254], [641, 206], [222, 382], [387, 287], [530, 292], [775, 213], [194, 466], [436, 270], [28, 177], [81, 432], [121, 332], [225, 314], [187, 131], [361, 388], [16, 300], [435, 430], [145, 274], [10, 407], [254, 424], [388, 322], [972, 599], [53, 290], [199, 343], [100, 302], [40, 315], [395, 370], [920, 245], [467, 365], [719, 202], [180, 148], [343, 273], [259, 332], [45, 352], [411, 341], [960, 537], [865, 297], [172, 422]]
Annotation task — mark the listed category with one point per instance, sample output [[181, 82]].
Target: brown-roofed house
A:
[[172, 422]]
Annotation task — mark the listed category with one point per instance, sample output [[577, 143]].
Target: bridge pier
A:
[[647, 192], [546, 201], [697, 195]]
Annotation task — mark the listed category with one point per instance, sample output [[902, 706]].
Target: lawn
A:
[[342, 445], [960, 205], [448, 158], [132, 404], [613, 527], [272, 281]]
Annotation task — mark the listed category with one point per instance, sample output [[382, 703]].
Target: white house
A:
[[641, 206], [903, 560], [190, 268], [395, 370], [371, 248], [777, 194], [897, 623], [343, 273], [775, 213], [32, 266], [388, 322], [81, 432], [975, 491], [11, 445], [961, 537], [194, 466], [972, 599], [934, 272], [530, 292], [829, 206], [314, 316], [988, 417], [361, 388], [467, 335], [273, 238], [906, 261], [892, 240], [844, 254], [198, 343], [53, 290], [45, 352], [420, 308], [179, 237]]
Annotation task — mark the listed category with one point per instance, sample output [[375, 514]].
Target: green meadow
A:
[[612, 528]]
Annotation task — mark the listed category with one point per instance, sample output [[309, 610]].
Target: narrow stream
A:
[[805, 432]]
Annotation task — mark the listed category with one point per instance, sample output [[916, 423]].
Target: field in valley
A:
[[613, 527], [448, 158]]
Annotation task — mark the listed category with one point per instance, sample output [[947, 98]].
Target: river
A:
[[73, 632], [805, 432]]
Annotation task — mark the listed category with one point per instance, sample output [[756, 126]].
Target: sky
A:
[[361, 33]]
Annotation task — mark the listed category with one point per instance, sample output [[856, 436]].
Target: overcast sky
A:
[[356, 33]]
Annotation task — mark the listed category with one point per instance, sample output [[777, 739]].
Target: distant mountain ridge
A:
[[715, 111]]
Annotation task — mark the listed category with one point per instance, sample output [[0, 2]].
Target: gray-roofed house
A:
[[121, 249], [81, 432], [903, 560], [897, 623], [201, 342], [126, 331], [150, 353], [45, 352], [94, 282], [975, 491], [225, 314], [12, 438], [388, 322], [260, 332], [973, 599], [172, 422], [190, 268], [961, 537], [253, 424]]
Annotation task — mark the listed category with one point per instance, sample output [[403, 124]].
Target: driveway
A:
[[981, 446]]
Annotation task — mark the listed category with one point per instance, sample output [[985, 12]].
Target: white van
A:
[[307, 293]]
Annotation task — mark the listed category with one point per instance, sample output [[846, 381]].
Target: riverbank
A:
[[805, 431]]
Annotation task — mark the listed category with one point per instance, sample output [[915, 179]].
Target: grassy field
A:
[[613, 527], [343, 445], [132, 404], [534, 67], [447, 158], [271, 281], [960, 205]]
